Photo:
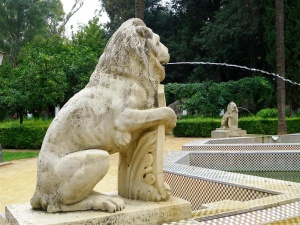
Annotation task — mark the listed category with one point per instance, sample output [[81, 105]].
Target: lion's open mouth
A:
[[163, 63]]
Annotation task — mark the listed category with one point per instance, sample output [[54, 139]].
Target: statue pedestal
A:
[[135, 212], [230, 132]]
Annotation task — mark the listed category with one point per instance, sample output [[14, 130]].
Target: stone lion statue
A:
[[117, 112], [230, 118]]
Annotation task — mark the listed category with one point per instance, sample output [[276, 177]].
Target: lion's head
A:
[[134, 51], [232, 108]]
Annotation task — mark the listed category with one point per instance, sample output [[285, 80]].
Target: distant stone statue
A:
[[117, 111], [229, 124], [230, 118]]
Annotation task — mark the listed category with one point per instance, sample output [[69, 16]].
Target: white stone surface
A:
[[135, 213], [226, 133], [117, 112]]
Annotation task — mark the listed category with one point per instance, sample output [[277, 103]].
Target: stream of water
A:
[[236, 66]]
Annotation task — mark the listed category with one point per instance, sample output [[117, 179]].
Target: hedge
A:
[[27, 136], [202, 127], [30, 136]]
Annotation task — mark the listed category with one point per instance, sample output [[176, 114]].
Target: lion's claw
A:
[[122, 139]]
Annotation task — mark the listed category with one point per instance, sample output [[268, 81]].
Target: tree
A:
[[14, 97], [292, 52], [21, 20], [208, 97], [139, 9], [291, 44], [42, 70], [118, 12], [51, 70], [58, 21], [185, 21], [87, 46], [233, 36], [280, 58], [91, 35]]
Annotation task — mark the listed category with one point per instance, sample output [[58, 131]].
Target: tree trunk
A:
[[20, 112], [280, 61], [139, 9], [47, 112]]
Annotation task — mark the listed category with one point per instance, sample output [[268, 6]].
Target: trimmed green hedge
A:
[[30, 135], [202, 127]]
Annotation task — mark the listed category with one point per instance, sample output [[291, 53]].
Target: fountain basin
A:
[[198, 174]]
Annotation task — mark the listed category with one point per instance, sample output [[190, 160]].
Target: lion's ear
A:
[[144, 32]]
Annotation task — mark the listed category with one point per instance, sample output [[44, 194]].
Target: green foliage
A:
[[292, 47], [196, 127], [234, 35], [50, 71], [293, 124], [120, 11], [267, 113], [202, 127], [38, 123], [188, 19], [278, 175], [254, 125], [201, 101], [42, 72], [86, 47], [30, 135], [92, 36], [21, 20], [14, 155], [14, 96], [8, 95], [208, 98]]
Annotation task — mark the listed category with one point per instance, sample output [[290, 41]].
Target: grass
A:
[[8, 155], [26, 123]]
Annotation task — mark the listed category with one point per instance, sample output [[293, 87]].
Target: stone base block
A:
[[136, 212], [224, 133]]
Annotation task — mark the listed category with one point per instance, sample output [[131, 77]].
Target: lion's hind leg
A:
[[68, 184]]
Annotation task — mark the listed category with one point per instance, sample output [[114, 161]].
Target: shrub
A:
[[30, 135], [196, 127], [267, 113], [208, 98], [202, 127], [293, 125]]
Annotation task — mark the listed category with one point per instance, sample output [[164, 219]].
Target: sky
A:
[[83, 15]]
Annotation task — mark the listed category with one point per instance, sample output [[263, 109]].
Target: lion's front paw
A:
[[122, 139], [146, 192], [108, 203], [171, 118]]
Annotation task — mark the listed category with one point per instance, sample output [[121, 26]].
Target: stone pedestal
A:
[[135, 212], [230, 132]]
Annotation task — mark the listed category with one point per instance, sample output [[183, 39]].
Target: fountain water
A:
[[239, 107], [261, 128], [236, 66]]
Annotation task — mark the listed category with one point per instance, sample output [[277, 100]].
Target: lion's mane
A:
[[129, 54]]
